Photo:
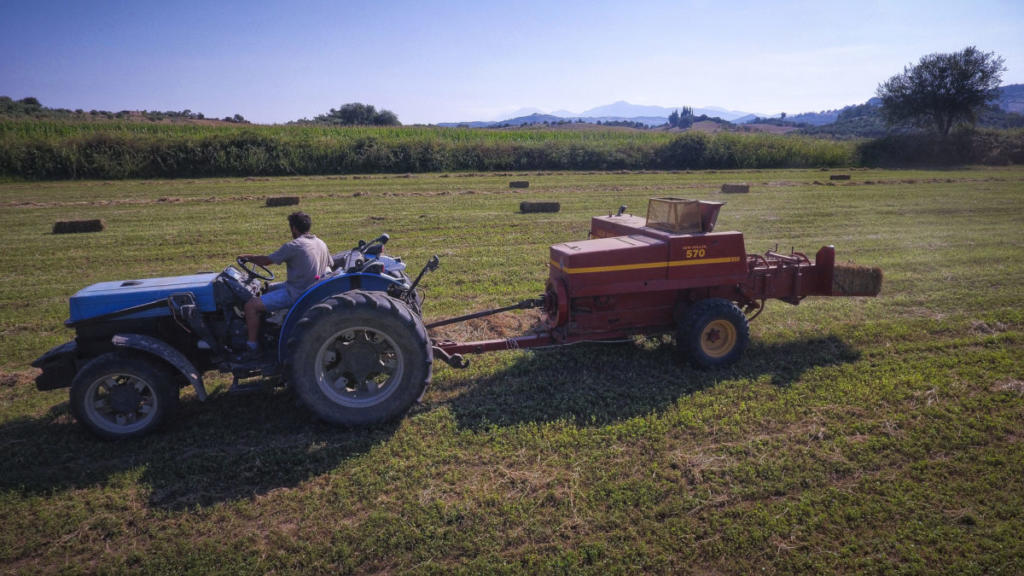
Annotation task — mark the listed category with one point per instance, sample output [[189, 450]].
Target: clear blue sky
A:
[[467, 60]]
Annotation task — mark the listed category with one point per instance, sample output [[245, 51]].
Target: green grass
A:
[[856, 436]]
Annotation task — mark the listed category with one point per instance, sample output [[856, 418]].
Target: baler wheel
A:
[[713, 333], [360, 358]]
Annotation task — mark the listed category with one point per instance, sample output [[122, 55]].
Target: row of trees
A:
[[31, 107], [681, 118], [354, 114]]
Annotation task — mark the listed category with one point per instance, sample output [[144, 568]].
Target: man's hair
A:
[[300, 221]]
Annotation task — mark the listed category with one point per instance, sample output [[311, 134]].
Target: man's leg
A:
[[275, 298], [254, 310]]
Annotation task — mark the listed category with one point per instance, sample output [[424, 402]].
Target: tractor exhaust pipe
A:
[[432, 265]]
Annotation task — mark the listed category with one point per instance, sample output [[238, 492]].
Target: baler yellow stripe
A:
[[704, 261], [645, 265]]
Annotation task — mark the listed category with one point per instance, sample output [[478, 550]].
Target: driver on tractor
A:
[[308, 260]]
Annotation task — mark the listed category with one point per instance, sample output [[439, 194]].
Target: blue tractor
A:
[[353, 346]]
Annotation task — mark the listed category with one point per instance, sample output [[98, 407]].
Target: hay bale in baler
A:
[[78, 226], [735, 188], [528, 207], [854, 280], [519, 184], [282, 200]]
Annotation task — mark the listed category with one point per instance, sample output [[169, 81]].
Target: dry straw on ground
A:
[[504, 325], [78, 226]]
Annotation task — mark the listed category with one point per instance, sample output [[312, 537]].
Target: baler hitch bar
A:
[[456, 360], [524, 305]]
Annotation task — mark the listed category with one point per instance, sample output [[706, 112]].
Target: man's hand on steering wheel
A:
[[252, 268]]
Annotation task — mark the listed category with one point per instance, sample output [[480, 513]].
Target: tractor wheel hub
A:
[[124, 398], [361, 359]]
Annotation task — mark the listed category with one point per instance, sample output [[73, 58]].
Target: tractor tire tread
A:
[[413, 383]]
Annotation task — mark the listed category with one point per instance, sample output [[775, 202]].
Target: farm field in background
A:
[[856, 435], [55, 150]]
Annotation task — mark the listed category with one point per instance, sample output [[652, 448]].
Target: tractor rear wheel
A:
[[122, 395], [713, 333], [359, 358]]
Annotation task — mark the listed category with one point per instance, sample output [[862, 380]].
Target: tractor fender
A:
[[165, 352], [325, 289], [58, 366]]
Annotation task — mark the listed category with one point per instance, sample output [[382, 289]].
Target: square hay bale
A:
[[839, 177], [528, 207], [78, 226], [853, 280], [282, 200], [519, 184], [735, 188]]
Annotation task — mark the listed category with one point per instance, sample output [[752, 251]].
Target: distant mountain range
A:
[[618, 112], [1011, 99]]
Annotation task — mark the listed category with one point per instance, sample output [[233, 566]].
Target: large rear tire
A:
[[714, 333], [121, 395], [359, 358]]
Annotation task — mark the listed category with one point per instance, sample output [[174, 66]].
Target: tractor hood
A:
[[108, 297]]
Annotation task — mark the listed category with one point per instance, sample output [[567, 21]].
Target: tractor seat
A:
[[347, 261]]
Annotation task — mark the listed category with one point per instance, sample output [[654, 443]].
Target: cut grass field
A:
[[856, 436]]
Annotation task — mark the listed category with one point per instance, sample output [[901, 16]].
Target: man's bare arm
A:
[[257, 259]]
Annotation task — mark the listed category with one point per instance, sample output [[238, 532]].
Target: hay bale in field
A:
[[528, 207], [519, 184], [853, 280], [839, 177], [282, 200], [78, 226], [735, 188]]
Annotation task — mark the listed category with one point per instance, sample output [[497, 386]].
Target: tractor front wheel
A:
[[122, 395], [713, 333], [359, 358]]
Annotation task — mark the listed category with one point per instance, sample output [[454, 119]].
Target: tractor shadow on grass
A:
[[228, 448], [236, 447], [599, 384]]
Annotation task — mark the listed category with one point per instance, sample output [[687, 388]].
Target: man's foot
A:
[[251, 355]]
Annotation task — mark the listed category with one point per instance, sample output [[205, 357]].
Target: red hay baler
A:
[[668, 272]]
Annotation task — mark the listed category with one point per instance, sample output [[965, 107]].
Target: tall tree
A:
[[358, 114], [942, 90]]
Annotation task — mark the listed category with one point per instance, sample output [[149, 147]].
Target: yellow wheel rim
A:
[[718, 338]]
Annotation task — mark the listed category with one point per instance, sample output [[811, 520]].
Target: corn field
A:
[[53, 150]]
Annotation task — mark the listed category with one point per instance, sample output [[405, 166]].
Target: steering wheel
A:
[[251, 270]]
